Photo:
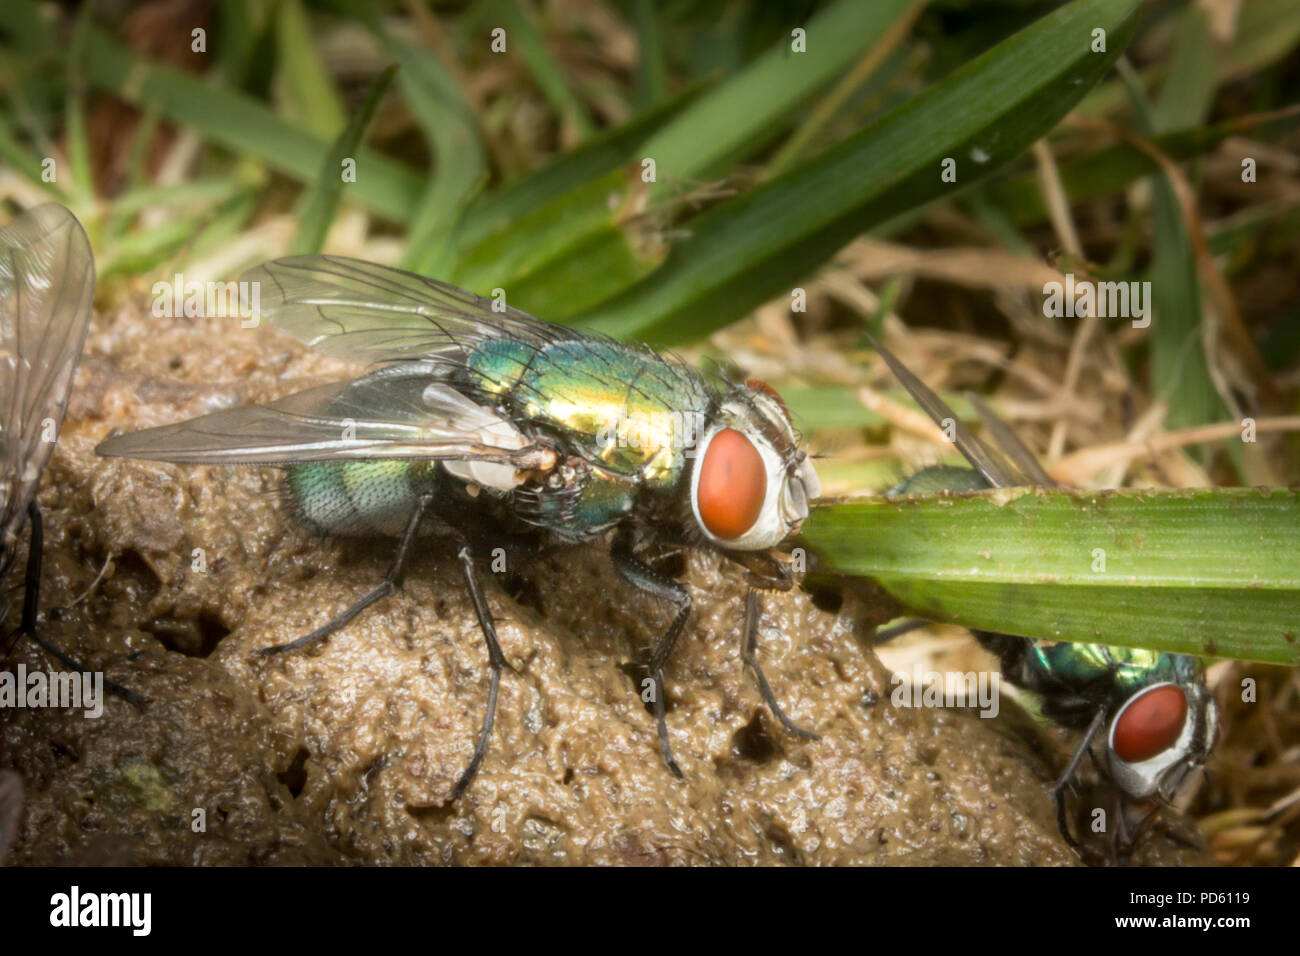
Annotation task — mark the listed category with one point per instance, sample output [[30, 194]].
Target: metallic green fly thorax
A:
[[631, 411], [1125, 670]]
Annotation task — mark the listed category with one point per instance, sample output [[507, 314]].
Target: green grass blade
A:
[[317, 212], [821, 407], [573, 170], [312, 100], [1180, 372], [525, 39], [750, 105], [1188, 90], [1202, 571], [652, 67], [460, 159], [1107, 171], [759, 245]]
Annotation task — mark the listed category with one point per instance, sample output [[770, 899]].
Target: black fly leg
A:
[[31, 607], [645, 578], [749, 653], [392, 581], [496, 661], [1063, 783]]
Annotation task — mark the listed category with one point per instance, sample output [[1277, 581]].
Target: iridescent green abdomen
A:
[[628, 409], [358, 497]]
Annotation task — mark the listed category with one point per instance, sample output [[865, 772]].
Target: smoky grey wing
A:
[[381, 416], [47, 287], [373, 314], [997, 470]]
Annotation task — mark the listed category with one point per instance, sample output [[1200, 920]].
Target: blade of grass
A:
[[528, 42], [1107, 171], [460, 160], [16, 155], [748, 107], [750, 249], [543, 235], [313, 102], [651, 68], [572, 170], [821, 407], [1180, 372], [74, 124], [1188, 90], [316, 212], [799, 143], [1201, 571]]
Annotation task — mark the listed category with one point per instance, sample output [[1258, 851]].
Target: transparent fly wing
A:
[[405, 411], [997, 470], [371, 314], [47, 286], [1010, 443]]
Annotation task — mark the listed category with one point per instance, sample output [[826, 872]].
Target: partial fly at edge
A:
[[1149, 713]]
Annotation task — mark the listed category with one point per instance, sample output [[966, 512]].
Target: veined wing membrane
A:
[[374, 314], [401, 412], [997, 469], [47, 286]]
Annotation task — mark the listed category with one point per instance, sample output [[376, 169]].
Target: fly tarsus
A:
[[128, 695], [645, 578], [392, 581], [750, 656], [1067, 776], [496, 662], [31, 608]]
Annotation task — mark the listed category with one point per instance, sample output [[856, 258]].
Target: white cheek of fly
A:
[[769, 529], [1141, 778]]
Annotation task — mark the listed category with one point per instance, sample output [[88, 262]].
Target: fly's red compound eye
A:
[[732, 485], [1150, 723]]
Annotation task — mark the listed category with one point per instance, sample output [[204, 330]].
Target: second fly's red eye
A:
[[1150, 723], [732, 485]]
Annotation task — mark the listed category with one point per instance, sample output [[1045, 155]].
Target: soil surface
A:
[[349, 753]]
